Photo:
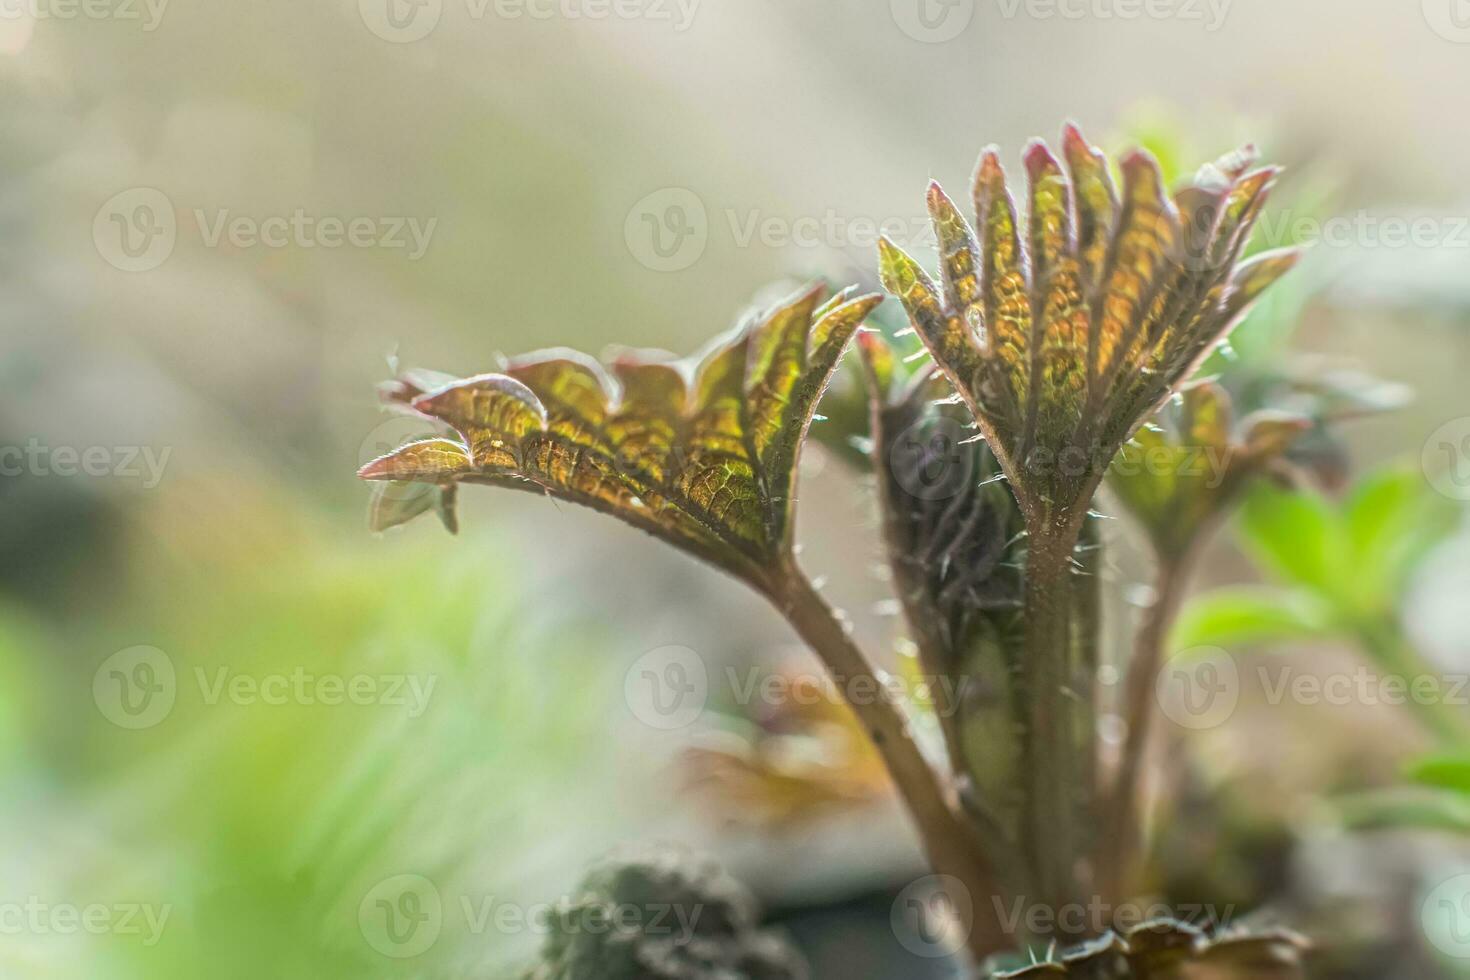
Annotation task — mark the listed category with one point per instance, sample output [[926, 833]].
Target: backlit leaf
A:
[[701, 453], [1169, 950], [1296, 535], [1178, 475], [1443, 772], [1063, 333]]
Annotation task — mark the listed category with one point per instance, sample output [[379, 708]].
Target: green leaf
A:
[[1392, 517], [1178, 475], [1406, 809], [1381, 508], [1297, 536], [1231, 616], [1443, 771], [702, 454]]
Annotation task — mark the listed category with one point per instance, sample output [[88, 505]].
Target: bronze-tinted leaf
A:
[[1063, 346], [1177, 476], [427, 460], [702, 454], [1169, 950]]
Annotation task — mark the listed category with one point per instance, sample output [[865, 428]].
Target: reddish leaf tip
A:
[[375, 470], [937, 199], [1138, 158], [990, 168], [871, 342], [1039, 159]]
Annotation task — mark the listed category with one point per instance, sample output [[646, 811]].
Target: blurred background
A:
[[230, 716]]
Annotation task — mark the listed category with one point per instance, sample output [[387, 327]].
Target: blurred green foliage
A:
[[262, 827]]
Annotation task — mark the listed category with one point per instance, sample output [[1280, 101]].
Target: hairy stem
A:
[[1053, 769], [949, 843], [1123, 835]]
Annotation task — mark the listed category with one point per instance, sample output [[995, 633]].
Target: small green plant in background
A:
[[1341, 571], [1051, 339]]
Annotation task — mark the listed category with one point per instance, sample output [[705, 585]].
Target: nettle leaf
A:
[[955, 536], [955, 541], [1166, 949], [1177, 475], [1307, 387], [1065, 331], [701, 453]]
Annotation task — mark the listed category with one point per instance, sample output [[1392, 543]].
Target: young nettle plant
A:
[[1054, 340]]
